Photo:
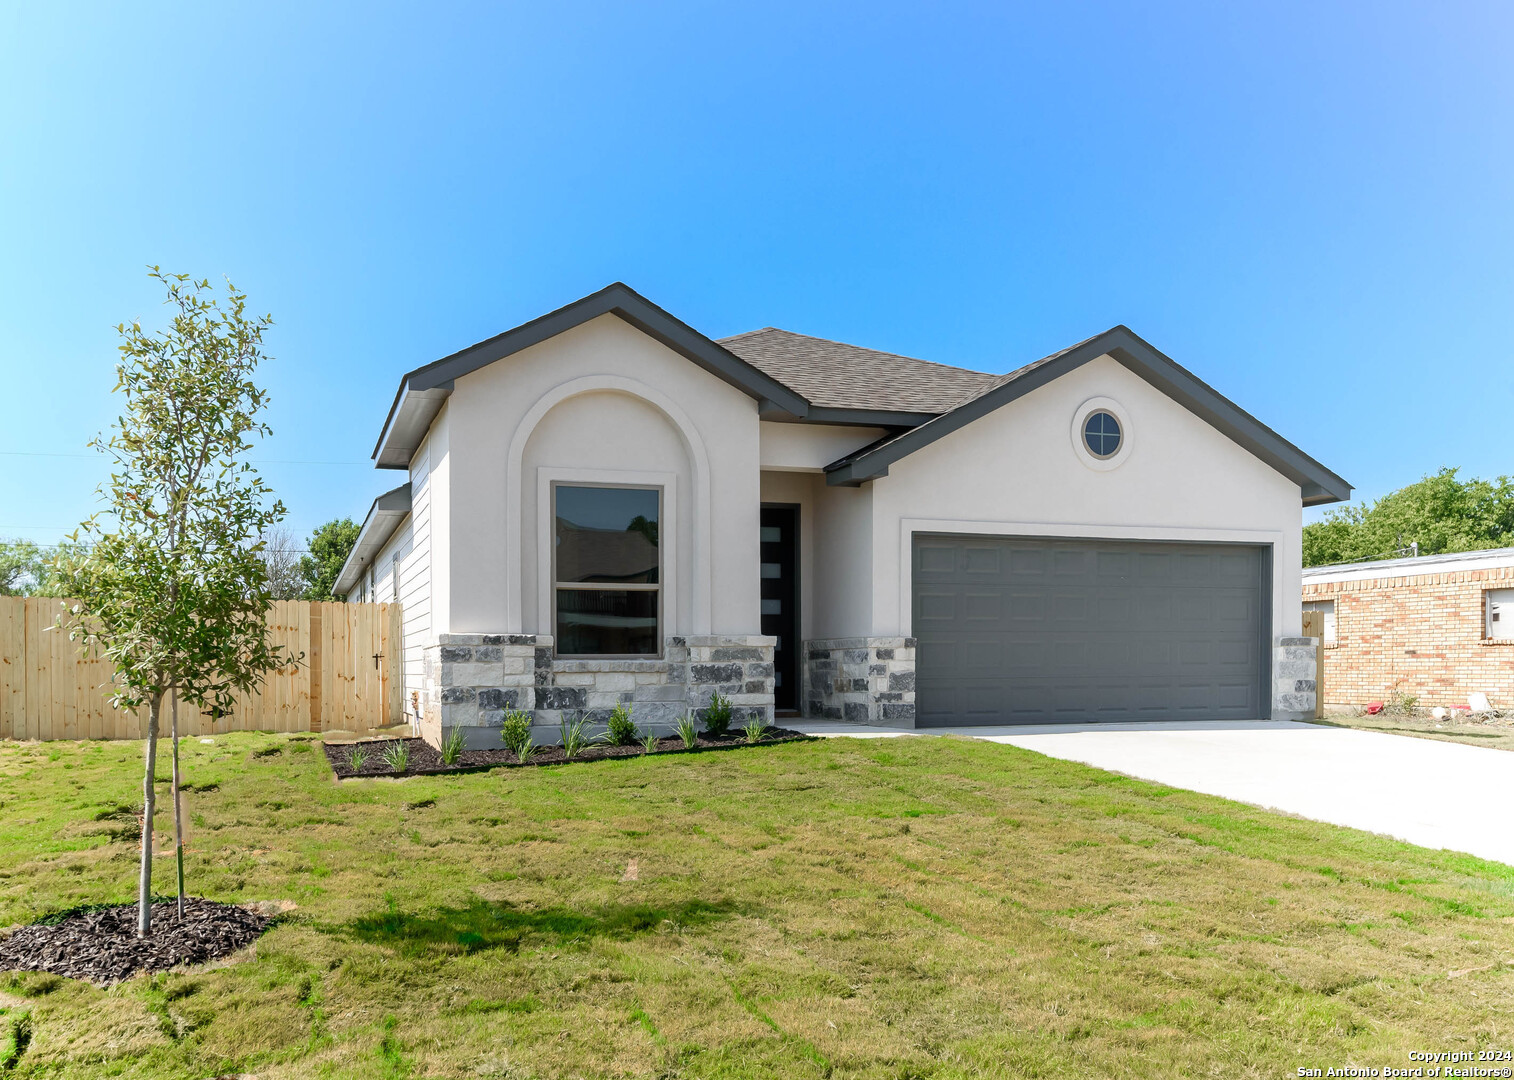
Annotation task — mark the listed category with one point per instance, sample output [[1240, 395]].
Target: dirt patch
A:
[[102, 946], [426, 759]]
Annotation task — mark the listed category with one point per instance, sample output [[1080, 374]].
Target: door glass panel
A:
[[771, 570], [772, 534]]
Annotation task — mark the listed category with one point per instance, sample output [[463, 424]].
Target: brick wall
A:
[[1421, 634]]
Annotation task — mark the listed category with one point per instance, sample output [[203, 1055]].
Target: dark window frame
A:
[[1118, 434], [581, 586]]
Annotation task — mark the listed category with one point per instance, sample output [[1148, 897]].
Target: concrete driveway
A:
[[1436, 794]]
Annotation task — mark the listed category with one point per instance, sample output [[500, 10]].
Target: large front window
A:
[[607, 570]]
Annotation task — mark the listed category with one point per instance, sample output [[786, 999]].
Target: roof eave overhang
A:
[[421, 391], [384, 517], [1317, 484]]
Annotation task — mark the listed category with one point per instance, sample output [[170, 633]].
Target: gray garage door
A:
[[1015, 631]]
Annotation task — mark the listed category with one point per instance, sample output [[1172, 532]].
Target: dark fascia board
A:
[[384, 517], [420, 391], [868, 417], [1316, 483]]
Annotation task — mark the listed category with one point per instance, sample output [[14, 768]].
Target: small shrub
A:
[[526, 750], [755, 730], [516, 731], [649, 744], [573, 737], [397, 756], [717, 716], [688, 732], [358, 758], [622, 729], [452, 746]]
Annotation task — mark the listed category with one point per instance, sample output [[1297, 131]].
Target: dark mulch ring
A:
[[102, 946], [424, 758]]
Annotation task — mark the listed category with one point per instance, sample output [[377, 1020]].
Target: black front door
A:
[[780, 599]]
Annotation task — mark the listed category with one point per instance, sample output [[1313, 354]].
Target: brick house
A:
[[1438, 627]]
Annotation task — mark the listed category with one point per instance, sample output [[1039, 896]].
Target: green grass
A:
[[912, 908], [1496, 736]]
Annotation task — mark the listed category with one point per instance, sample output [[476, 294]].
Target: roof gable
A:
[[422, 391], [1317, 483]]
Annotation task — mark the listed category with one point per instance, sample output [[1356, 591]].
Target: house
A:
[[1435, 627], [604, 505]]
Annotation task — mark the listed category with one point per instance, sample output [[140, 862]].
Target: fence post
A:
[[1313, 626], [317, 633]]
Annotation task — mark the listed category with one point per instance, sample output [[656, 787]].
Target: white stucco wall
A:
[[1017, 472], [600, 402], [811, 447]]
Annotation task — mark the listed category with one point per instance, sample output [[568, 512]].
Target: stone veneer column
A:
[[472, 680], [1293, 689], [861, 680]]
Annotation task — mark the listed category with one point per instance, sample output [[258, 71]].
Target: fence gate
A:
[[1314, 626], [349, 676]]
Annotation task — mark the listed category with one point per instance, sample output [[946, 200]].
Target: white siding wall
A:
[[412, 544]]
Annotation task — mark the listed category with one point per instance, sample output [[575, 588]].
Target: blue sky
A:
[[1309, 205]]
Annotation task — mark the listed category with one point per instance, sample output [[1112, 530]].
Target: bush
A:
[[622, 729], [397, 756], [688, 732], [717, 717], [574, 737], [516, 731], [452, 746]]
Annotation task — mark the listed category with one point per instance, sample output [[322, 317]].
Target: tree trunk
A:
[[178, 806], [149, 804]]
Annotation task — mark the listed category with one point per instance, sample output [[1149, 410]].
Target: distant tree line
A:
[[295, 571], [1440, 513]]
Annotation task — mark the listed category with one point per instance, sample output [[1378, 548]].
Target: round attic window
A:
[[1101, 434]]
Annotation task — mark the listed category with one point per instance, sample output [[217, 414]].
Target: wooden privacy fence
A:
[[350, 677], [1314, 626]]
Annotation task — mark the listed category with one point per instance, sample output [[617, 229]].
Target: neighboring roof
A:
[[384, 517], [835, 375], [1486, 559], [422, 391], [1317, 483]]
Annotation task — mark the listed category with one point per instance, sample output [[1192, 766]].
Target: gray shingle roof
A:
[[831, 374]]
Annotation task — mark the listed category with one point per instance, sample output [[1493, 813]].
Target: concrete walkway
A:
[[1436, 794]]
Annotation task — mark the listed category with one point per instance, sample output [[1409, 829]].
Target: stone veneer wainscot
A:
[[472, 680], [865, 680]]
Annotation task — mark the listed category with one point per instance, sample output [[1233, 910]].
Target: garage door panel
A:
[[1022, 630]]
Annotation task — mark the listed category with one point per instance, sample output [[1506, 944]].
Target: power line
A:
[[255, 461]]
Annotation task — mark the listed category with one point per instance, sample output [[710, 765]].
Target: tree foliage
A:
[[171, 585], [1440, 512], [28, 568], [329, 547]]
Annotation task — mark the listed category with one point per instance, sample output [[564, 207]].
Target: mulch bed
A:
[[102, 945], [424, 758]]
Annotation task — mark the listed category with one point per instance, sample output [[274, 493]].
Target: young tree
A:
[[172, 586], [329, 547]]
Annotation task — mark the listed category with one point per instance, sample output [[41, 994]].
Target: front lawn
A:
[[882, 908], [1496, 735]]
